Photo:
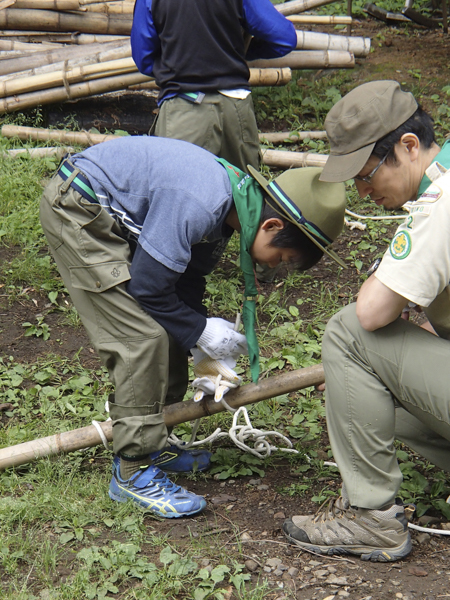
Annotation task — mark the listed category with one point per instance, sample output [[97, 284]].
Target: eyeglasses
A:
[[368, 178]]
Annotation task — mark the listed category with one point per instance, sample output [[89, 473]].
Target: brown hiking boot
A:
[[378, 535]]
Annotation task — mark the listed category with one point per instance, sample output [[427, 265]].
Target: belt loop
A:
[[65, 186]]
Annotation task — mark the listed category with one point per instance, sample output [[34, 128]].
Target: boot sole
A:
[[364, 552]]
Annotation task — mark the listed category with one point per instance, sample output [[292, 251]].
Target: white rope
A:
[[97, 426]]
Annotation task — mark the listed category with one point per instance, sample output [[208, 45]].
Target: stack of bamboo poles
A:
[[52, 51]]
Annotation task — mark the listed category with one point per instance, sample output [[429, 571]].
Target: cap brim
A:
[[340, 168], [265, 185]]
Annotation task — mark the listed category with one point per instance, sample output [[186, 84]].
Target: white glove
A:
[[213, 376], [219, 340]]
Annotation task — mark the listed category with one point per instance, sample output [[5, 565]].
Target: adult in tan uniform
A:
[[386, 378]]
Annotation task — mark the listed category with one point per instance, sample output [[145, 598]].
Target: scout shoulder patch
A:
[[431, 194], [401, 245]]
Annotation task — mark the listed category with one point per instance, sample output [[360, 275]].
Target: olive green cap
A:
[[358, 121], [316, 207]]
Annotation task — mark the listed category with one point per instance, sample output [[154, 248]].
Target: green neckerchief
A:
[[248, 200], [442, 158]]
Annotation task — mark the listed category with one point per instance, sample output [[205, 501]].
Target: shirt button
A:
[[98, 284]]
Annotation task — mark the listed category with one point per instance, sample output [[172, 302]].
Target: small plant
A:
[[40, 329], [230, 462]]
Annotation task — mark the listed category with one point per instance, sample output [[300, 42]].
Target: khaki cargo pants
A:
[[224, 126], [393, 383], [147, 368]]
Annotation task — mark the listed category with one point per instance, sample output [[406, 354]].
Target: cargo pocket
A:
[[100, 277]]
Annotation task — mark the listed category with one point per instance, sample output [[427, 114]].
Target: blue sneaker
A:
[[152, 489], [174, 460]]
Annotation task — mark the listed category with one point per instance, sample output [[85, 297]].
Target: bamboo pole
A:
[[66, 77], [87, 437], [110, 8], [48, 20], [278, 137], [309, 40], [6, 3], [283, 159], [72, 92], [25, 47], [48, 4], [60, 38], [320, 19], [58, 151], [298, 6], [96, 53], [82, 138], [309, 59]]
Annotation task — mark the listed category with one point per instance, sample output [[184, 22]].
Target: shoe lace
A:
[[331, 509]]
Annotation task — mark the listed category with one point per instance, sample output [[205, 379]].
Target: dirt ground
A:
[[249, 512]]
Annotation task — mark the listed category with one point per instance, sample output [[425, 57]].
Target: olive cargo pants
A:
[[147, 368], [390, 383]]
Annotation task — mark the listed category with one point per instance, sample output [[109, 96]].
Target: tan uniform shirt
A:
[[417, 263]]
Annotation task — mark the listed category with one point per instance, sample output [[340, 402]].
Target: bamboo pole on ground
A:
[[320, 19], [98, 52], [309, 59], [73, 92], [309, 40], [66, 77], [48, 20], [25, 47], [82, 138], [110, 8], [283, 159], [58, 151], [48, 4], [60, 38], [298, 6], [181, 412], [278, 137]]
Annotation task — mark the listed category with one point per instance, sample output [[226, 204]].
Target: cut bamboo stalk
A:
[[6, 3], [48, 4], [48, 20], [66, 77], [309, 40], [78, 90], [309, 59], [284, 159], [181, 412], [278, 137], [95, 52], [35, 134], [110, 8], [298, 6], [58, 151], [60, 38], [320, 19], [25, 47]]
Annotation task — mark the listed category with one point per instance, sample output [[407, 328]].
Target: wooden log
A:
[[298, 6], [95, 52], [77, 90], [283, 159], [181, 412], [48, 20], [309, 40], [66, 77], [82, 138], [278, 137], [48, 4], [309, 59], [320, 19]]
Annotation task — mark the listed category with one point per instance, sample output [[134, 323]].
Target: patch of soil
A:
[[243, 515]]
